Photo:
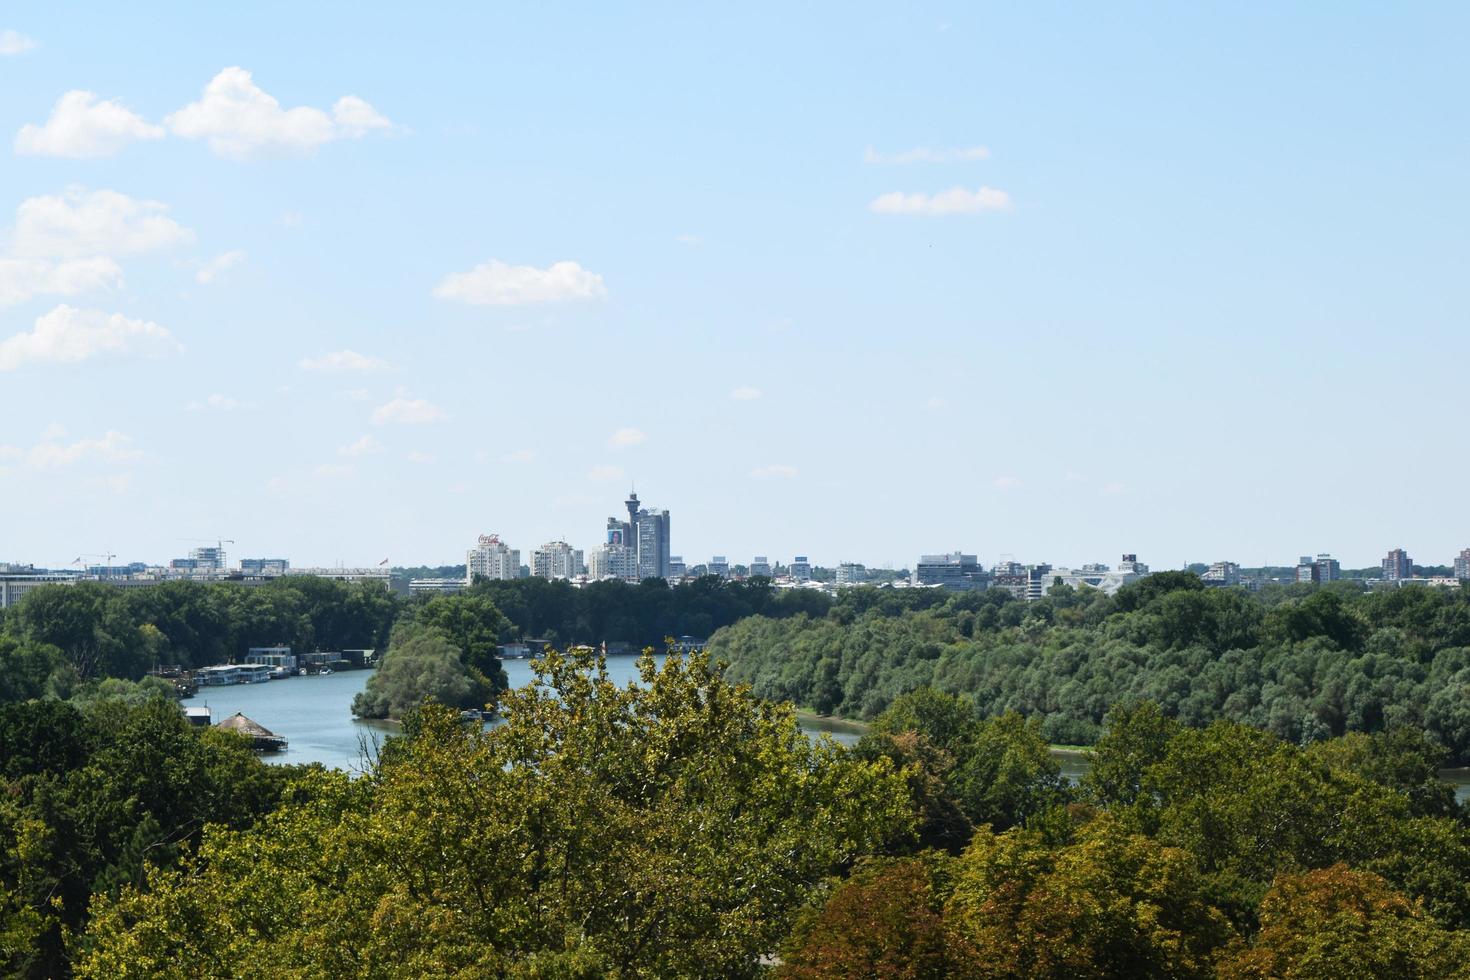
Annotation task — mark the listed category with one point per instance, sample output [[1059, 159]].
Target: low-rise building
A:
[[954, 571], [17, 580]]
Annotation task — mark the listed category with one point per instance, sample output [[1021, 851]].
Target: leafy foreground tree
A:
[[1338, 923], [94, 797], [667, 829], [422, 663], [1108, 904], [964, 771]]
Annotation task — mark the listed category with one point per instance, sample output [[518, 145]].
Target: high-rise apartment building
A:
[[760, 567], [613, 561], [1462, 565], [801, 569], [1321, 569], [718, 565], [493, 559], [850, 573], [556, 559], [1397, 565]]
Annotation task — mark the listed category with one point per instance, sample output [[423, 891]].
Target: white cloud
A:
[[67, 335], [407, 411], [342, 362], [774, 472], [211, 271], [365, 446], [497, 283], [20, 279], [605, 474], [1005, 483], [292, 219], [1113, 489], [241, 120], [623, 438], [113, 447], [219, 403], [14, 42], [78, 223], [355, 118], [745, 393], [689, 239], [956, 200], [82, 127], [925, 154], [934, 404], [417, 457], [519, 456], [332, 471]]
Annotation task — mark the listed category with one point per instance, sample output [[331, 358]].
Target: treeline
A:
[[95, 629], [1305, 664], [641, 615], [682, 827]]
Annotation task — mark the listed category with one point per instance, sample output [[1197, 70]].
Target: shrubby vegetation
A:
[[1305, 664]]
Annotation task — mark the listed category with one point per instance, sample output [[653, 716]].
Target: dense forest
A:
[[1302, 662], [1263, 798], [682, 827]]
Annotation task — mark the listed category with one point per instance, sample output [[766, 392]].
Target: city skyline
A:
[[848, 282]]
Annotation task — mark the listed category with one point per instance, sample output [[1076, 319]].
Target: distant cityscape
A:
[[638, 547]]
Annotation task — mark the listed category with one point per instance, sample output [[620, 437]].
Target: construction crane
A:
[[109, 557]]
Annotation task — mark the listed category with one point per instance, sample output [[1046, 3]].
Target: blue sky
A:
[[853, 281]]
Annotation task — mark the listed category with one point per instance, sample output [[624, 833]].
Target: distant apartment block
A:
[[954, 571], [719, 565], [801, 569], [1222, 573], [760, 567], [1397, 565], [556, 559], [1462, 565], [493, 559], [1321, 569], [613, 561], [850, 573]]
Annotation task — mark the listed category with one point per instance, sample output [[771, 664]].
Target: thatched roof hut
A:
[[263, 739]]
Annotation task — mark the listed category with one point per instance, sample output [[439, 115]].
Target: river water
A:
[[314, 715]]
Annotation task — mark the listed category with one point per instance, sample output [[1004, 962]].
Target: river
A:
[[314, 715]]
